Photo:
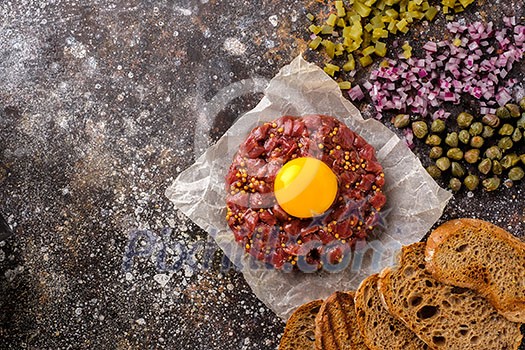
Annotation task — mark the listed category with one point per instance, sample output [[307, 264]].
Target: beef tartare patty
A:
[[269, 233]]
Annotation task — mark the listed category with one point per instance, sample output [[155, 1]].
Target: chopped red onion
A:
[[503, 96], [409, 137], [356, 93], [476, 67], [430, 46]]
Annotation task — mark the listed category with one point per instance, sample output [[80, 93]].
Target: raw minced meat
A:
[[265, 230]]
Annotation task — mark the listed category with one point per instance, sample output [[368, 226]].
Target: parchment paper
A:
[[414, 200]]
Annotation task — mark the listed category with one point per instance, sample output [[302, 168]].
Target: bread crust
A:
[[300, 328], [335, 325], [480, 272]]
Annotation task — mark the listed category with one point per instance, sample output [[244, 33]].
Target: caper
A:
[[510, 160], [522, 103], [472, 156], [435, 152], [437, 126], [485, 166], [443, 163], [488, 132], [458, 170], [493, 152], [477, 142], [433, 140], [502, 112], [497, 169], [434, 171], [464, 120], [455, 153], [522, 157], [454, 184], [401, 120], [492, 183], [420, 129], [521, 122], [505, 143], [452, 139], [517, 135], [491, 120], [464, 136], [471, 182], [514, 110], [506, 130], [516, 173], [476, 129]]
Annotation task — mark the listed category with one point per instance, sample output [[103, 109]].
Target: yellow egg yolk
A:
[[305, 187]]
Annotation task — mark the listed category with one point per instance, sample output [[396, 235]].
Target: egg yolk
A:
[[305, 187]]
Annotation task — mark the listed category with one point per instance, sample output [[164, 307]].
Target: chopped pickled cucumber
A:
[[365, 61], [380, 49], [314, 44], [431, 13], [329, 47], [350, 65], [340, 7], [345, 85]]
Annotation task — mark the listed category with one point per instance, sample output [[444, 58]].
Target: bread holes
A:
[[446, 304], [439, 340], [427, 311], [462, 248], [458, 290], [362, 314], [421, 266], [474, 340], [409, 271], [369, 302], [415, 300], [463, 330], [429, 283], [310, 335]]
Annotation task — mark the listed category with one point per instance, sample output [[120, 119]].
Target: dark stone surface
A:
[[102, 104]]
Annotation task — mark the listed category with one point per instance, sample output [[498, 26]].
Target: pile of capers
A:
[[482, 151]]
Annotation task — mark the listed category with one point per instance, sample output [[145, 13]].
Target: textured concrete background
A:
[[102, 104]]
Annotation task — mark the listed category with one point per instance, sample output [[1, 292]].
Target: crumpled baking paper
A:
[[414, 200]]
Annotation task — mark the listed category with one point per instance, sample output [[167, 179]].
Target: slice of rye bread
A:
[[443, 316], [336, 325], [299, 333], [378, 327], [479, 255]]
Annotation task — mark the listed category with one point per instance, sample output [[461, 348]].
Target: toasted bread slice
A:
[[336, 325], [443, 316], [299, 333], [381, 330], [479, 255]]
